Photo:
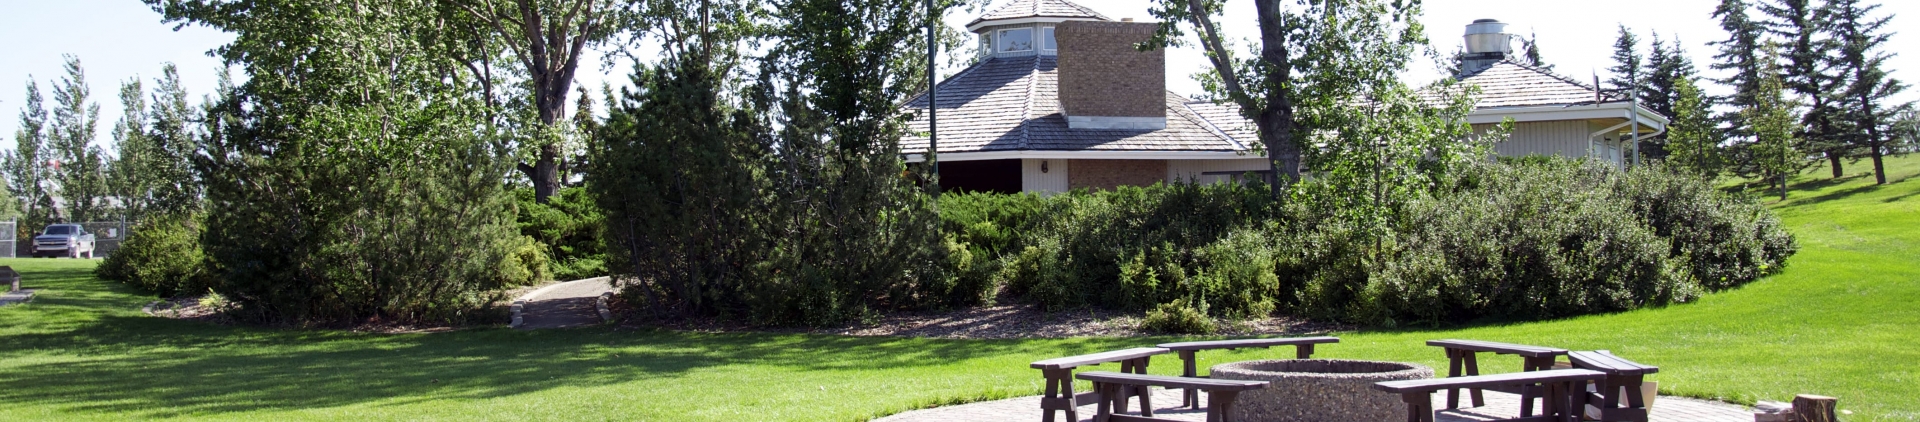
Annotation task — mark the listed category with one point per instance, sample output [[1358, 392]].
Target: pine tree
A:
[[1666, 65], [1530, 51], [1803, 26], [26, 164], [1739, 56], [1869, 89], [1693, 146], [1626, 63], [80, 169], [1775, 151]]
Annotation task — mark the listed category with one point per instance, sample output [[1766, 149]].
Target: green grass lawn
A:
[[1843, 320]]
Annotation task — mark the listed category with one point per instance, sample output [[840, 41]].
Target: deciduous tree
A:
[[1776, 149], [1693, 144], [80, 167], [27, 174]]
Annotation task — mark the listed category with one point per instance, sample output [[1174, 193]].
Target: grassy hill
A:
[[1841, 320]]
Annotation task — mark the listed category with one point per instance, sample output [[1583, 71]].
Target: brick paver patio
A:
[[1499, 406]]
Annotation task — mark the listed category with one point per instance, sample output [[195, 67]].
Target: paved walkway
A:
[[563, 305], [1499, 406]]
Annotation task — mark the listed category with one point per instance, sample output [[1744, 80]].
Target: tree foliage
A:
[[1740, 59], [80, 166], [351, 178], [1628, 64], [1693, 141], [1310, 55], [1869, 111], [25, 165], [1804, 29], [1775, 151]]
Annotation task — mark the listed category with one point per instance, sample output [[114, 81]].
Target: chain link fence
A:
[[9, 236]]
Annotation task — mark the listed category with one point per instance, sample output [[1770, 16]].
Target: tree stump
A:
[[1812, 408]]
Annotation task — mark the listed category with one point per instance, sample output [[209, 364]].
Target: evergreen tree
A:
[[1627, 65], [1803, 26], [1739, 57], [1530, 51], [1869, 89], [80, 168], [1775, 151], [26, 165], [1667, 64], [1693, 146]]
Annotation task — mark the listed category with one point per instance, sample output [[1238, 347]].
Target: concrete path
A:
[[569, 304], [1499, 406]]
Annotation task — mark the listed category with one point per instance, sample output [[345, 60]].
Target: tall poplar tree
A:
[[80, 167], [1804, 28], [1869, 88], [26, 164], [172, 132], [129, 179], [1739, 57]]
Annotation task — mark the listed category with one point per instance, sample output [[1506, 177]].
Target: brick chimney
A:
[[1105, 83]]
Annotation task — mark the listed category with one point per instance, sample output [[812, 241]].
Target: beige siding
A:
[[1563, 138], [1195, 170], [1054, 180]]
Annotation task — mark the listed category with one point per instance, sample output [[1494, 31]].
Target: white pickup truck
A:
[[68, 240]]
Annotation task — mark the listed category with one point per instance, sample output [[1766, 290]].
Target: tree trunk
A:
[[1879, 169], [1276, 121], [1834, 159], [1783, 186]]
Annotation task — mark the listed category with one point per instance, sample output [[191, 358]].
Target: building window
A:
[[1047, 45], [1016, 40]]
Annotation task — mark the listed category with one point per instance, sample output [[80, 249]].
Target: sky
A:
[[121, 39]]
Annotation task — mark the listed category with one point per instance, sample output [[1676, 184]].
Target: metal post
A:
[[933, 95], [1633, 114]]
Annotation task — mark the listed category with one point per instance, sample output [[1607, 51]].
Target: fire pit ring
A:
[[1319, 390]]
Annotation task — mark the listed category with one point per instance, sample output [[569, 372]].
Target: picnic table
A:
[[1303, 349], [1463, 360], [1059, 378], [1619, 397], [1564, 391]]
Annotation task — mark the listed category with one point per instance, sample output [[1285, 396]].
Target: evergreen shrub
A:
[[162, 255]]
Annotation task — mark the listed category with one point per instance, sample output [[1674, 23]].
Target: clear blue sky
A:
[[121, 39]]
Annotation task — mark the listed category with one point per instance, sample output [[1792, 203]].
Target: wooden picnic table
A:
[[1619, 397], [1059, 378], [1303, 349], [1563, 389], [1466, 353]]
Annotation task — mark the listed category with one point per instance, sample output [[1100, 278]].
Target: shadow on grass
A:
[[88, 350]]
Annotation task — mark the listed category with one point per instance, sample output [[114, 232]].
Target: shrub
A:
[[162, 255], [1723, 240], [568, 229], [1176, 318], [525, 265]]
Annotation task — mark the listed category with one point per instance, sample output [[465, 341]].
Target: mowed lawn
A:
[[1843, 320]]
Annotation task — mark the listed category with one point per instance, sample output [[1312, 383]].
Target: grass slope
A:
[[1841, 321]]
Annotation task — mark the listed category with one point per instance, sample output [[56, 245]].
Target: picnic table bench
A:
[[1302, 346], [1059, 377], [1563, 389], [1220, 393], [1624, 377], [1466, 353]]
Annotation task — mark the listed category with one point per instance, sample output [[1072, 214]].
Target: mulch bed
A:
[[994, 322]]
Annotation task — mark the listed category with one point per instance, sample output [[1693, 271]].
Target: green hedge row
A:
[[1525, 240]]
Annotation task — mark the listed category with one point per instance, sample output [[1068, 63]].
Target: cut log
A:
[[1812, 408]]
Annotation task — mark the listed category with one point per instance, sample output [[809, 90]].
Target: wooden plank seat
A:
[[1564, 391], [1302, 347], [1059, 377], [1624, 378], [1220, 393], [1463, 360]]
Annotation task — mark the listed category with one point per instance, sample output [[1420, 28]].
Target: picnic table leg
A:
[[1473, 368], [1219, 404], [1453, 370], [1050, 402], [1527, 394], [1190, 398], [1304, 351], [1103, 409], [1142, 391], [1419, 406]]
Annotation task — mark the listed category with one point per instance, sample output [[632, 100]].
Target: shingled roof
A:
[[1012, 104], [1017, 9], [1509, 84]]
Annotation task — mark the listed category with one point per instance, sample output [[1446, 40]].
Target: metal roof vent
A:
[[1487, 43]]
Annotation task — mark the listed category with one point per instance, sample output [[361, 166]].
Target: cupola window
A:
[[1015, 40]]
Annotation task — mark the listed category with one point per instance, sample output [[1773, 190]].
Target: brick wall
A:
[[1101, 74], [1107, 174]]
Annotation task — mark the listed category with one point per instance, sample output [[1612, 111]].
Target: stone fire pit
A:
[[1319, 390]]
